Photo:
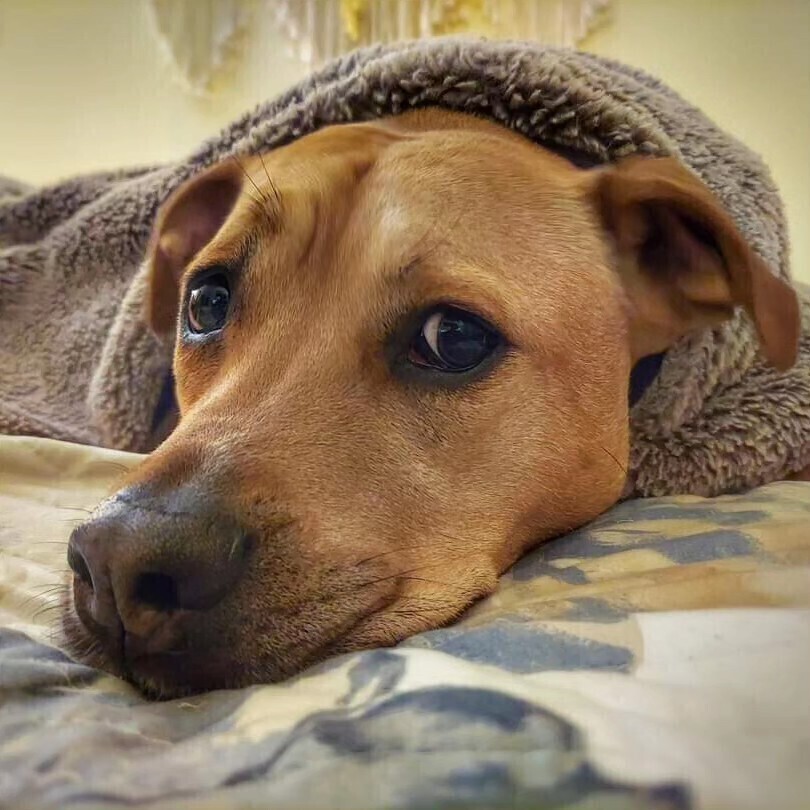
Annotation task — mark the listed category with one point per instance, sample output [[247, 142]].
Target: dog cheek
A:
[[196, 371], [437, 600]]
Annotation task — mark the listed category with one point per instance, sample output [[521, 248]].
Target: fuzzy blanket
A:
[[77, 361]]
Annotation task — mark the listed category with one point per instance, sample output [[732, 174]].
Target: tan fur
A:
[[383, 508]]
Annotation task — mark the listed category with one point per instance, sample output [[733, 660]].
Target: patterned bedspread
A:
[[658, 658]]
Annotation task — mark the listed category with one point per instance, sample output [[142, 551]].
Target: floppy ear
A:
[[186, 222], [684, 264]]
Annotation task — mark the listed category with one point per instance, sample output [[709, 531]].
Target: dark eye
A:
[[208, 303], [452, 340]]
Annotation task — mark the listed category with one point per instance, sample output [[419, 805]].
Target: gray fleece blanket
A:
[[78, 362]]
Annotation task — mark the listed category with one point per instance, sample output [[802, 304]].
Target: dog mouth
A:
[[179, 673], [190, 666]]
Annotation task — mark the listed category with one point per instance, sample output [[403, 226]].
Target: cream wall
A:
[[85, 86]]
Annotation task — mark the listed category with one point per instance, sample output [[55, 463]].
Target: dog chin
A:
[[167, 676], [80, 645], [177, 674], [163, 676]]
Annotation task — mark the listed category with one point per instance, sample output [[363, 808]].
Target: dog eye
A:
[[453, 340], [208, 304]]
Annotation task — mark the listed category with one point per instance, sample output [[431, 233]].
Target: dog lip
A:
[[110, 635], [183, 668], [168, 658], [90, 643], [174, 673]]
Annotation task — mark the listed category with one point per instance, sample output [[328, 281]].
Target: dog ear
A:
[[684, 264], [186, 222]]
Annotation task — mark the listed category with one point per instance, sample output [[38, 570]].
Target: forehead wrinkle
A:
[[408, 235], [399, 264]]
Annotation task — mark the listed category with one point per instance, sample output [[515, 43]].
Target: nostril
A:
[[79, 565], [155, 590]]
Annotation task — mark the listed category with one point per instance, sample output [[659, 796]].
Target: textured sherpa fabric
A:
[[78, 362]]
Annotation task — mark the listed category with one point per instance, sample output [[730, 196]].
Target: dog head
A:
[[402, 358]]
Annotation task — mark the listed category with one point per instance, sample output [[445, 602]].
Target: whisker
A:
[[436, 582], [392, 551], [46, 596], [76, 509], [618, 463], [601, 447], [28, 601], [89, 649], [42, 596], [114, 464], [259, 203], [29, 544], [273, 187], [252, 181], [405, 575], [253, 199], [44, 611], [429, 544], [47, 586], [419, 598], [46, 589]]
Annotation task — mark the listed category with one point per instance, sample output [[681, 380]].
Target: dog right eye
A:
[[208, 303]]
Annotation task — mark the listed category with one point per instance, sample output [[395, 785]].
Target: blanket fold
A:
[[77, 361]]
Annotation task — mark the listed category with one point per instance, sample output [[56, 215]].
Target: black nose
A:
[[143, 559]]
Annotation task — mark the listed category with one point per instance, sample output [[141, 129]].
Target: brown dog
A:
[[393, 382]]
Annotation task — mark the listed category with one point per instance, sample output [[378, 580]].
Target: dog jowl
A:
[[402, 359]]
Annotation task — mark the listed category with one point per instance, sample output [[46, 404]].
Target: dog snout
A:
[[143, 564]]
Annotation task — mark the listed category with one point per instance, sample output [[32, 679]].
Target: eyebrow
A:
[[234, 262], [273, 187], [270, 206]]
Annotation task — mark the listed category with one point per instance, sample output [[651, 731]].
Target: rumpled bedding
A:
[[657, 658]]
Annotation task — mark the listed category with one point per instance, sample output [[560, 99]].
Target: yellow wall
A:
[[84, 85]]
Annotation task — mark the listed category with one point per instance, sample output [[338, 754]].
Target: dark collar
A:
[[167, 402], [643, 375]]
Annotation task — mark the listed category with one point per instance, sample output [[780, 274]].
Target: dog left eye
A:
[[208, 303], [452, 340]]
